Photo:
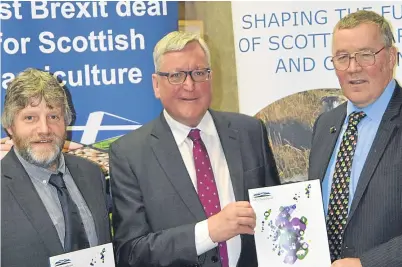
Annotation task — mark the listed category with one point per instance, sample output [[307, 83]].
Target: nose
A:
[[353, 65], [43, 126], [189, 84]]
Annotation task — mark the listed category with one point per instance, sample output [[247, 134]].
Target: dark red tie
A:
[[206, 186]]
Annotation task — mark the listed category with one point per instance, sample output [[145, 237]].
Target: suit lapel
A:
[[169, 157], [327, 141], [28, 199], [230, 143], [95, 202], [386, 130]]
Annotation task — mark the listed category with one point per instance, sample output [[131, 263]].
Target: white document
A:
[[99, 256], [291, 228]]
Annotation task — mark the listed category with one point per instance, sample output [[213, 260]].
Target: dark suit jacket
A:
[[155, 204], [28, 236], [373, 231]]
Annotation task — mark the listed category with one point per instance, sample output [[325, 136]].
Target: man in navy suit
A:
[[357, 147]]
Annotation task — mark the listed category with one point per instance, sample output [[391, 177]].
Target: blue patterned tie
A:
[[339, 196]]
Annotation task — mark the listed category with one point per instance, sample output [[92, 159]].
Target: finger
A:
[[3, 140], [243, 204], [245, 221], [245, 230], [245, 212], [5, 147], [9, 141]]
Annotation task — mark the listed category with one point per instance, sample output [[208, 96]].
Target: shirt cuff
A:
[[203, 242]]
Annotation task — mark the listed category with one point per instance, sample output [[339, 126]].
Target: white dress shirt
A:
[[210, 137]]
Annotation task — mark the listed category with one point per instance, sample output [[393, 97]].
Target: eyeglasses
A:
[[363, 58], [199, 75]]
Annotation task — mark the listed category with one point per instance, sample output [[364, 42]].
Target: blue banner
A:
[[102, 50]]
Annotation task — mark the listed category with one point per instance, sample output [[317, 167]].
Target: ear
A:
[[9, 131], [393, 54], [155, 85]]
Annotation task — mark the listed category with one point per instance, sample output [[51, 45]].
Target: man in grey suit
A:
[[357, 147], [180, 183], [51, 203]]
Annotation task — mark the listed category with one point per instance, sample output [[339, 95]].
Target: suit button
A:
[[214, 259]]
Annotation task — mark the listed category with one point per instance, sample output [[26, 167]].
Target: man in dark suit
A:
[[51, 203], [357, 147], [180, 183]]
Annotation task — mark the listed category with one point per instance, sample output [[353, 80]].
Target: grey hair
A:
[[176, 41], [30, 86], [367, 17]]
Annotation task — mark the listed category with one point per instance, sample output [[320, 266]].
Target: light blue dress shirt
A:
[[367, 129]]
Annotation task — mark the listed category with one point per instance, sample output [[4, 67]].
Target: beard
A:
[[46, 157]]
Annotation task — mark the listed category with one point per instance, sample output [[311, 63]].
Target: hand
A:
[[236, 218], [5, 145], [347, 262]]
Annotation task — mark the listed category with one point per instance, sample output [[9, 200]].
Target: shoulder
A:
[[83, 163], [236, 120], [136, 138], [335, 113]]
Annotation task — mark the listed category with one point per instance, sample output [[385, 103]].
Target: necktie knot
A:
[[356, 117], [57, 181], [194, 135]]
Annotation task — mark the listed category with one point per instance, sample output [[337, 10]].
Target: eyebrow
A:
[[343, 51], [198, 67]]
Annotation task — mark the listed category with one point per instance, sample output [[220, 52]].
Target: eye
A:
[[29, 118], [54, 117], [342, 57], [199, 72], [366, 55], [176, 75]]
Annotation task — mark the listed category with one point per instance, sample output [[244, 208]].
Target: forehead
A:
[[364, 36], [192, 55], [37, 105]]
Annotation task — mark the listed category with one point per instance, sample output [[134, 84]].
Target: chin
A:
[[42, 157]]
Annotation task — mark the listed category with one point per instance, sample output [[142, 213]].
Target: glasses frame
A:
[[190, 72], [353, 55]]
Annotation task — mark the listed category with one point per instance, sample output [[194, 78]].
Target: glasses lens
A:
[[365, 59], [177, 77], [200, 75], [341, 62]]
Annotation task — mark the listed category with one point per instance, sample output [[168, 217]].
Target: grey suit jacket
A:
[[155, 204], [28, 236], [373, 231]]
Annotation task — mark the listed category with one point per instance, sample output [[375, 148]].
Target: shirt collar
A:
[[180, 131], [375, 110], [40, 173]]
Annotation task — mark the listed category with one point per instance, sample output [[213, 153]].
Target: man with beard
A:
[[51, 203]]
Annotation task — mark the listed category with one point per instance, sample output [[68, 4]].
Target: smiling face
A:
[[187, 102], [38, 132], [362, 86]]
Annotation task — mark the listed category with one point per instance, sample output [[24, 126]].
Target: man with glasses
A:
[[179, 184], [357, 147]]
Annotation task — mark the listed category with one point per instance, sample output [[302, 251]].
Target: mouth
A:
[[47, 141], [357, 81], [188, 99]]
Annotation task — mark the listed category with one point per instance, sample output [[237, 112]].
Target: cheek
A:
[[341, 76]]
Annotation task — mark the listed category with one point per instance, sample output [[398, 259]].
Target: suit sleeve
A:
[[107, 229], [387, 254], [136, 245], [271, 171]]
